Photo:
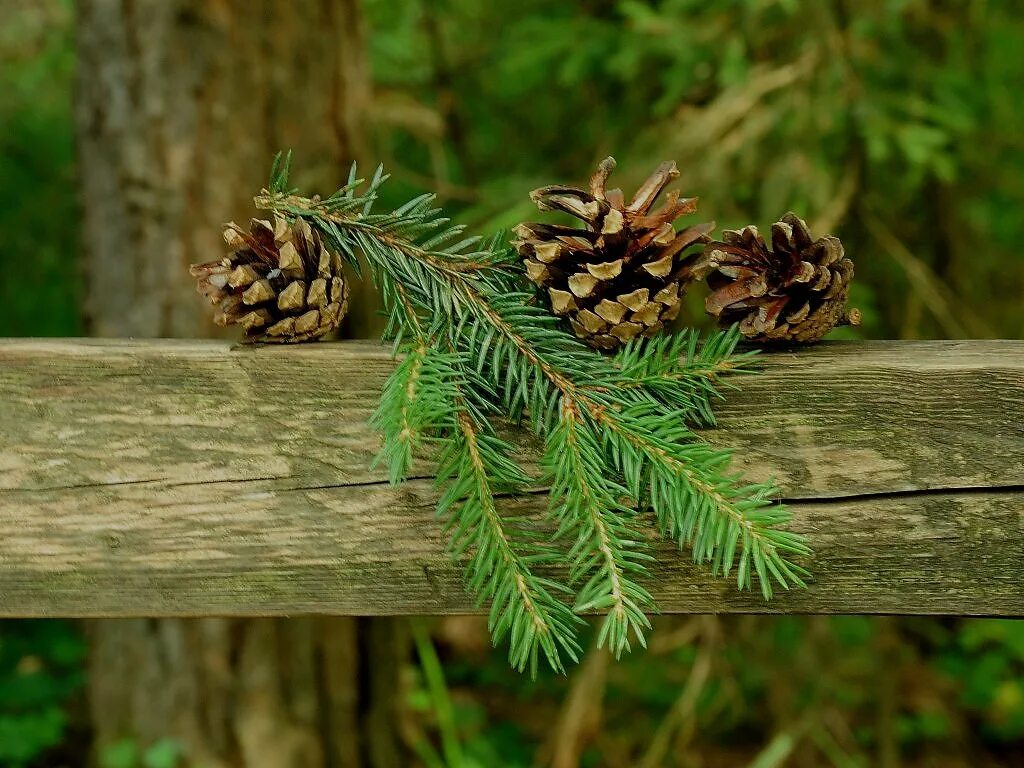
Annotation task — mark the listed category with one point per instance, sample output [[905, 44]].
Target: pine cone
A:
[[794, 291], [621, 275], [280, 282]]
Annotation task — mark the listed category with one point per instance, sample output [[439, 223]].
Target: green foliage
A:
[[40, 668], [165, 753], [39, 290], [987, 659], [830, 691], [459, 724], [617, 436], [868, 117]]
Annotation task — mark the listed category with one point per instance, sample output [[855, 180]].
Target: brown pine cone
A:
[[280, 282], [796, 290], [624, 272]]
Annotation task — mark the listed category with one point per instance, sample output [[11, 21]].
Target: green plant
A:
[[40, 291], [617, 433], [40, 668], [986, 659], [165, 753]]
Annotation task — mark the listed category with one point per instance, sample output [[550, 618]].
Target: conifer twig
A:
[[617, 440]]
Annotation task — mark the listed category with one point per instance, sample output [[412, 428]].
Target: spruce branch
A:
[[586, 501], [503, 552], [617, 432]]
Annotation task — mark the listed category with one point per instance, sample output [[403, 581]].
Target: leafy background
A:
[[895, 124]]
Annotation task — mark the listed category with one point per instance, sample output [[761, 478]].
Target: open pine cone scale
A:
[[623, 273]]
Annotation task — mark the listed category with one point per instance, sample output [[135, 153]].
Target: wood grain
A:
[[194, 478]]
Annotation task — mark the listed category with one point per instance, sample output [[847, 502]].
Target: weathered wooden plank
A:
[[190, 478]]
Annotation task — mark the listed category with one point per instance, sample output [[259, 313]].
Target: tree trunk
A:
[[292, 693], [180, 106]]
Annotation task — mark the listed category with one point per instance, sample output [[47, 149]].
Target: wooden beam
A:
[[194, 478]]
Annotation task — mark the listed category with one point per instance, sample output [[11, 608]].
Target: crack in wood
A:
[[963, 490]]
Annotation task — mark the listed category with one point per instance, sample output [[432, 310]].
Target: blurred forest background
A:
[[130, 130]]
